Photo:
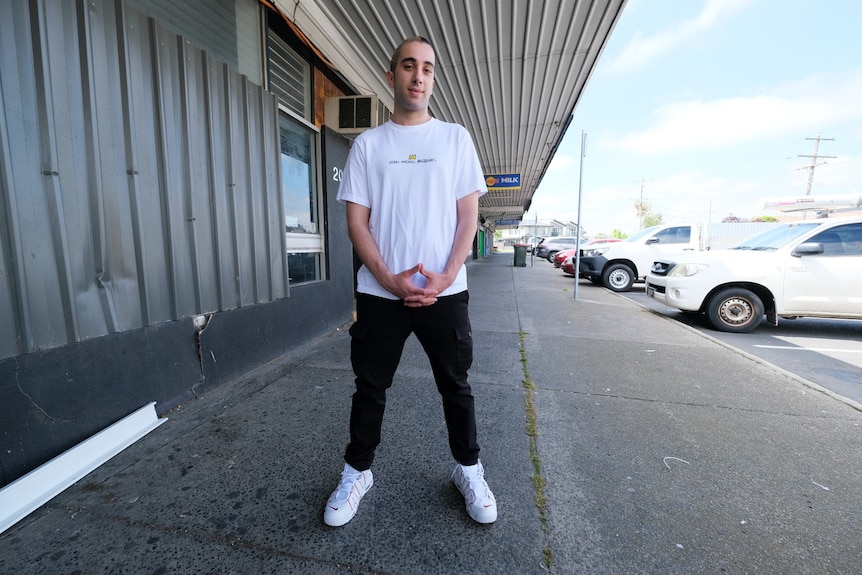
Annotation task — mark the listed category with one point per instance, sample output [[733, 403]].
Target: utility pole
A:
[[580, 197], [814, 163], [641, 207]]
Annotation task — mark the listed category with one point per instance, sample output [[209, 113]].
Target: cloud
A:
[[697, 124], [562, 162], [643, 49]]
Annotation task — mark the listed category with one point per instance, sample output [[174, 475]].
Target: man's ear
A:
[[390, 77]]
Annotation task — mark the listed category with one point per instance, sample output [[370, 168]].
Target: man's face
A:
[[413, 78]]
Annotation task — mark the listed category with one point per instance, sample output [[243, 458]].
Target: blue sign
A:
[[507, 222], [503, 181]]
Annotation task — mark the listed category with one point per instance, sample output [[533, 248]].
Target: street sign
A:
[[503, 182]]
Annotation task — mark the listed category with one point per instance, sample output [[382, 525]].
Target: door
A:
[[831, 282], [665, 243]]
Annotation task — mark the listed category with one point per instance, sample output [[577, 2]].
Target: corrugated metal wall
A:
[[139, 177]]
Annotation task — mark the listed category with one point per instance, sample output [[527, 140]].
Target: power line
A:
[[814, 158]]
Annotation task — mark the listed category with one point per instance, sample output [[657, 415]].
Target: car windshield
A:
[[640, 234], [774, 238]]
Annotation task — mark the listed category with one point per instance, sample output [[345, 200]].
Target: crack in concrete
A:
[[200, 322], [33, 403], [218, 539], [688, 403]]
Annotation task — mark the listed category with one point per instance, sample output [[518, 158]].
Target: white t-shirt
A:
[[411, 178]]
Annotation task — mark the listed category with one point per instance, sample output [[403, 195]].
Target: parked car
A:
[[568, 264], [549, 247], [561, 256], [619, 265], [533, 242], [811, 268]]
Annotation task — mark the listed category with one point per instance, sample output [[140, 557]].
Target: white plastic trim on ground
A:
[[28, 493]]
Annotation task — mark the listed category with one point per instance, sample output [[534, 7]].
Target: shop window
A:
[[290, 79], [302, 198]]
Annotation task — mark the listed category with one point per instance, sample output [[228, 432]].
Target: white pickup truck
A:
[[811, 268], [618, 265]]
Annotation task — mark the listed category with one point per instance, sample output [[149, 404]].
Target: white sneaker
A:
[[470, 481], [344, 501]]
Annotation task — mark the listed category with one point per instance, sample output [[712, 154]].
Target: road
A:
[[826, 352]]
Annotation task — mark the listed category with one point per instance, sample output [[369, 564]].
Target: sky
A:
[[703, 108]]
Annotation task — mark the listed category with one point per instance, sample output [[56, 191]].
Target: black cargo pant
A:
[[377, 340]]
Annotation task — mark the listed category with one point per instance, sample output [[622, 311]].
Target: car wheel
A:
[[550, 257], [618, 277], [735, 310]]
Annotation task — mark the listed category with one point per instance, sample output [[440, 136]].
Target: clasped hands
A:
[[413, 296]]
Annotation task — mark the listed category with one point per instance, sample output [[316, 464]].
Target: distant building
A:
[[545, 229]]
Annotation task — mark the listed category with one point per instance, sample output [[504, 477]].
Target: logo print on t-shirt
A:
[[412, 159]]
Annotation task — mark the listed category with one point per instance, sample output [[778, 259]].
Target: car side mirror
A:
[[651, 241], [807, 249]]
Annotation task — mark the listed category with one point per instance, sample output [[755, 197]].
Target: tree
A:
[[645, 214], [651, 219]]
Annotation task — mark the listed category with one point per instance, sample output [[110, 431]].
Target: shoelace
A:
[[477, 482], [346, 485]]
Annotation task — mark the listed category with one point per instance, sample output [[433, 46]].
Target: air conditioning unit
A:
[[354, 114]]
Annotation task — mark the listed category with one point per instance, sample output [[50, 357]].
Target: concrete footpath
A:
[[661, 451]]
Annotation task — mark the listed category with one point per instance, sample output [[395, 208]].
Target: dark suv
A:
[[548, 248]]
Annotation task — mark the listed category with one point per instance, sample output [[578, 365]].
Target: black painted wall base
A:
[[55, 399]]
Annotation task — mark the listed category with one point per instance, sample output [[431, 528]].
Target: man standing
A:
[[411, 189]]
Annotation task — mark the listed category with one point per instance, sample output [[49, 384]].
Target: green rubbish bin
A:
[[521, 255]]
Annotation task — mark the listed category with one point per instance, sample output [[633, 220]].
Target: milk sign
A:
[[503, 182]]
